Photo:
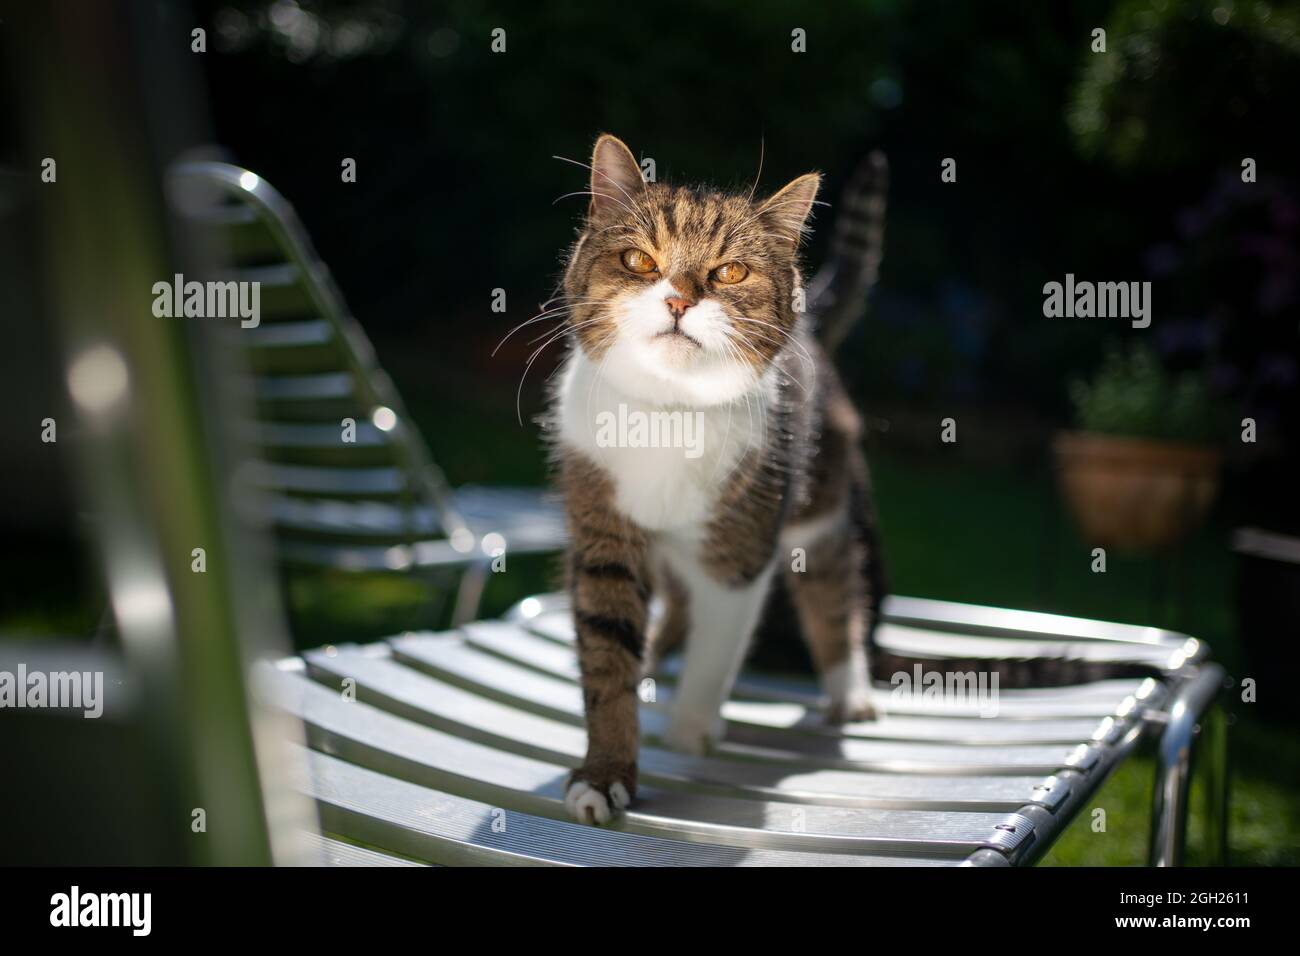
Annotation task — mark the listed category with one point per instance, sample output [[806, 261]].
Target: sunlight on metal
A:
[[1009, 619], [143, 606], [462, 540], [397, 558], [249, 181], [98, 379]]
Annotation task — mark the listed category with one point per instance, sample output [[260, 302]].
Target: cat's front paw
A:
[[592, 796], [850, 694], [851, 709], [694, 735]]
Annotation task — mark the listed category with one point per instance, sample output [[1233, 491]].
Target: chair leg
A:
[[470, 592], [1188, 709], [1214, 758]]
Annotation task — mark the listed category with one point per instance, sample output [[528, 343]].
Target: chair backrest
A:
[[348, 482]]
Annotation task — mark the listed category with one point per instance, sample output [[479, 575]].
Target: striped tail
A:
[[837, 294]]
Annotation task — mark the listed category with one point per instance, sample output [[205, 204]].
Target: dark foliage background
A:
[[1115, 165]]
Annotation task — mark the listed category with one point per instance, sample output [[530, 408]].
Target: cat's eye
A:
[[730, 273], [634, 260]]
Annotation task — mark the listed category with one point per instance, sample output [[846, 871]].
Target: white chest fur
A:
[[668, 461]]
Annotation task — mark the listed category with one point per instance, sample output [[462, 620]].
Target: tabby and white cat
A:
[[685, 300]]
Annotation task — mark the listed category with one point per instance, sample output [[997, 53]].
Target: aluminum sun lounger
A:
[[453, 748]]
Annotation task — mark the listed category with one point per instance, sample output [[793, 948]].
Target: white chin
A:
[[676, 352], [672, 371]]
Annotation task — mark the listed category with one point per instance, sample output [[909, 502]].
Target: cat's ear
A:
[[788, 209], [615, 177]]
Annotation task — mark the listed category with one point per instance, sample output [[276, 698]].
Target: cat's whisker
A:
[[762, 148], [588, 192], [556, 336], [789, 339], [539, 317], [591, 169], [638, 215]]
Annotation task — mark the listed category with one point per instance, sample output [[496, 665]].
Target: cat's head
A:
[[683, 295]]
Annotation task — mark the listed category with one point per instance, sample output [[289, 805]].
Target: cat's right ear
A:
[[615, 178]]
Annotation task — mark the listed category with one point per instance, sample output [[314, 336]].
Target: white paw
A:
[[854, 707], [849, 692], [586, 804], [693, 734], [618, 794]]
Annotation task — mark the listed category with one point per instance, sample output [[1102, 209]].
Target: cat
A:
[[689, 301]]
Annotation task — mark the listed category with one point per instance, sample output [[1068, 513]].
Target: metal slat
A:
[[450, 659], [250, 242], [313, 437], [419, 754], [1006, 622], [352, 520], [430, 825], [910, 641], [295, 346], [290, 335], [549, 619], [397, 557], [337, 386], [281, 294], [338, 482], [335, 852], [513, 644], [416, 696], [357, 520]]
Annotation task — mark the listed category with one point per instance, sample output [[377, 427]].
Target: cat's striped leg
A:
[[668, 633], [610, 590], [829, 591]]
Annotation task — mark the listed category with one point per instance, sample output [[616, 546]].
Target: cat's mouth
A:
[[680, 338]]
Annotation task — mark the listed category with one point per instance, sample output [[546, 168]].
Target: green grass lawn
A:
[[1001, 536]]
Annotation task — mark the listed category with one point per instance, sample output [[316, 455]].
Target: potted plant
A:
[[1140, 473]]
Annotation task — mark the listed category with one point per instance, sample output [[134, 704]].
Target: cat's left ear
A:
[[788, 209], [615, 177]]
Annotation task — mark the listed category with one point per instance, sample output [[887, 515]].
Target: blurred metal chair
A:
[[350, 484], [185, 764]]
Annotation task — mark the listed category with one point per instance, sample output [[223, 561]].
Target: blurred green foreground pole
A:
[[149, 479]]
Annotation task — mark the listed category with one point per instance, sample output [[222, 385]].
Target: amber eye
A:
[[730, 273], [634, 260]]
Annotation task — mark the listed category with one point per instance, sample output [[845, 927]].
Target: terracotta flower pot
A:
[[1135, 494]]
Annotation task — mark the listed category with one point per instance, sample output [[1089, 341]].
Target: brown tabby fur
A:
[[808, 465]]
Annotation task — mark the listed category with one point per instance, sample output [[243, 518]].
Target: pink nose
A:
[[677, 305]]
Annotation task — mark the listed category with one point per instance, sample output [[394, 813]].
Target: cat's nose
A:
[[677, 305]]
